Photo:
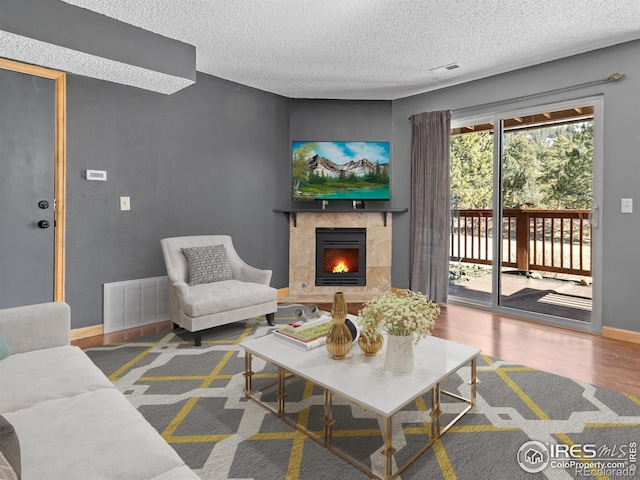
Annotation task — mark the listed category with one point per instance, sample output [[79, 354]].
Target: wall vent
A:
[[135, 303]]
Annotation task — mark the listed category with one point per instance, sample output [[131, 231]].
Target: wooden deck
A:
[[557, 241], [566, 298]]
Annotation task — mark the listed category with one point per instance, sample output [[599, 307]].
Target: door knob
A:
[[43, 224]]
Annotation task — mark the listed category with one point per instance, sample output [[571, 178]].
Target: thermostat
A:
[[100, 175]]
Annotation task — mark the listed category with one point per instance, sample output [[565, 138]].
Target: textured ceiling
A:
[[375, 49]]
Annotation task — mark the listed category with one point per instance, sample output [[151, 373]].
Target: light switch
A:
[[626, 205], [125, 203]]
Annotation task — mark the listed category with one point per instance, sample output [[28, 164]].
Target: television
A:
[[340, 170]]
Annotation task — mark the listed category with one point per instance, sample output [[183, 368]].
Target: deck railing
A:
[[546, 240]]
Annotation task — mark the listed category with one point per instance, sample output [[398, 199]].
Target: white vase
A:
[[399, 357]]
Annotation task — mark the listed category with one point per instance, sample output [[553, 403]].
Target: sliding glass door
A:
[[524, 213], [472, 199]]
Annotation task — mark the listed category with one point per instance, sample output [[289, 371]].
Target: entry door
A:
[[27, 186]]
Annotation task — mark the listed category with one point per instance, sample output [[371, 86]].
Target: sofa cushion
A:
[[94, 435], [218, 297], [207, 264], [5, 351], [34, 327], [9, 451], [47, 374]]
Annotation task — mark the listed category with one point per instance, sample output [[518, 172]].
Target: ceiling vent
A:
[[444, 68]]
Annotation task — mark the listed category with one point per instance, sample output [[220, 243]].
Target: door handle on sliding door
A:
[[595, 216]]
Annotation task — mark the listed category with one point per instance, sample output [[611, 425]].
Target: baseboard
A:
[[620, 334], [84, 332]]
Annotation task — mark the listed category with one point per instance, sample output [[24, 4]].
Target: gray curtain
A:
[[430, 204]]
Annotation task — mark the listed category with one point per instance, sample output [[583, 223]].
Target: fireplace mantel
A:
[[293, 212]]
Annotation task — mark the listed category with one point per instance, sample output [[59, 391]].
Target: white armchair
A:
[[214, 287]]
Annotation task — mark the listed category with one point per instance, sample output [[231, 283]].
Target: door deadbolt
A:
[[43, 204], [43, 224]]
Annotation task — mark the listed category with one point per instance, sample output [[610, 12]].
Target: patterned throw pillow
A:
[[207, 264]]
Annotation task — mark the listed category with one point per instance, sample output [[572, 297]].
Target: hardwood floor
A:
[[129, 334], [590, 358]]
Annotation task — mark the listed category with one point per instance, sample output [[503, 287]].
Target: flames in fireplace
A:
[[340, 268], [340, 260]]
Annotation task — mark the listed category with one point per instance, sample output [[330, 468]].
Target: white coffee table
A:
[[363, 381]]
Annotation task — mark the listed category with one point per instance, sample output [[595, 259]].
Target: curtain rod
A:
[[614, 77]]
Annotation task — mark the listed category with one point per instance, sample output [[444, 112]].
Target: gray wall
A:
[[621, 251], [210, 159], [340, 120]]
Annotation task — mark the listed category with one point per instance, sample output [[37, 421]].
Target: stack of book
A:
[[305, 335]]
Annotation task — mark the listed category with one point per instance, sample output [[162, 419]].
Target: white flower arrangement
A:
[[401, 313]]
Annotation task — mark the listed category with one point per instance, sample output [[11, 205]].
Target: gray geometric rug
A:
[[525, 420]]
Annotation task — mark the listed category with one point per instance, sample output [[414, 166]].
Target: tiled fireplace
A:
[[303, 266]]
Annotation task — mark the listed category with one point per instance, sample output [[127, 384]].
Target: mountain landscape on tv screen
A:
[[323, 166], [340, 171]]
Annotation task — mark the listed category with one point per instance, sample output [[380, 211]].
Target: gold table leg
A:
[[281, 392], [248, 373], [328, 419], [389, 451], [474, 380], [436, 412]]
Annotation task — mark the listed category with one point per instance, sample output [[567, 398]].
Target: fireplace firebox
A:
[[341, 257]]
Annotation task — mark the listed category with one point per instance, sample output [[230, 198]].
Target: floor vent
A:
[[135, 303]]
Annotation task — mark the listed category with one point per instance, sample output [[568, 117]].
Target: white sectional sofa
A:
[[71, 422]]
